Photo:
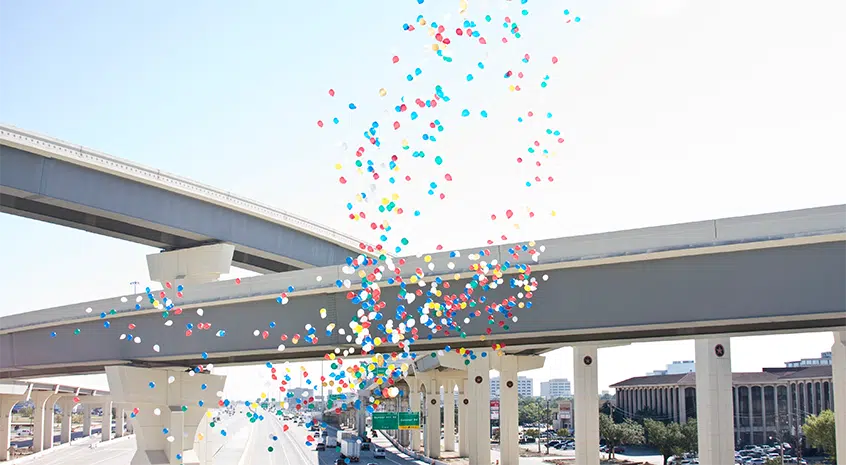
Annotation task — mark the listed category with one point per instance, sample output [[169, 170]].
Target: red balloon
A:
[[395, 59], [320, 123], [331, 92], [554, 60], [284, 427], [509, 214]]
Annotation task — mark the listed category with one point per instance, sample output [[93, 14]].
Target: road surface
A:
[[244, 444]]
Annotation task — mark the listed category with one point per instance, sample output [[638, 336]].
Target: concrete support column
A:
[[478, 389], [433, 418], [9, 397], [463, 421], [86, 420], [106, 427], [586, 417], [414, 399], [66, 404], [682, 405], [449, 416], [175, 419], [751, 415], [714, 400], [790, 423], [361, 414], [671, 397], [160, 408], [39, 398], [764, 411], [838, 370], [509, 436], [49, 420], [119, 420]]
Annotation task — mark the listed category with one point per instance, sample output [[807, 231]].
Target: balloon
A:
[[395, 59], [383, 92]]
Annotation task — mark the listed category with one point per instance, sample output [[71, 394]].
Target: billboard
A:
[[495, 409]]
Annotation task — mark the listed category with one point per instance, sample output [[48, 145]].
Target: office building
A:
[[675, 368], [766, 403], [556, 388], [525, 387]]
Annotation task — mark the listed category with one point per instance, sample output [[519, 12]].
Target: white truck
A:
[[341, 435], [351, 449]]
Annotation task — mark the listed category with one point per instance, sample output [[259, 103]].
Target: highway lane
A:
[[57, 438], [89, 451], [119, 451], [246, 443]]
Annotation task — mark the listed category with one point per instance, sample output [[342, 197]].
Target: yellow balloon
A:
[[383, 92]]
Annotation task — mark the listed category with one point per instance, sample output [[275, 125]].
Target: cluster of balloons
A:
[[428, 303]]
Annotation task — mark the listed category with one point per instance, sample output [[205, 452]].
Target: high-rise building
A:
[[494, 388], [676, 368], [525, 387], [556, 388], [823, 360]]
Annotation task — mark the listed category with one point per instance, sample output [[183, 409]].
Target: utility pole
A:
[[134, 285]]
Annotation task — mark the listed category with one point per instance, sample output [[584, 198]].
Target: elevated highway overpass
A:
[[62, 183], [756, 274]]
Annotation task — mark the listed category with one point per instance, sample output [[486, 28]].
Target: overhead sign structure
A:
[[385, 420], [409, 420]]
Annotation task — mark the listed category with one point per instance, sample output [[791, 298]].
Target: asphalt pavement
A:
[[245, 443]]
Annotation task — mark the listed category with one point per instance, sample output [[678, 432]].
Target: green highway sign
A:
[[385, 420], [409, 420]]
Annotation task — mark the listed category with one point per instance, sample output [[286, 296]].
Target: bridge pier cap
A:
[[197, 265], [166, 399]]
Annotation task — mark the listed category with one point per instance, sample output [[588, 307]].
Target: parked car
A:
[[378, 453]]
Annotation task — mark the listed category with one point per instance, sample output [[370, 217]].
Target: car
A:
[[378, 452], [340, 461], [372, 463], [321, 446]]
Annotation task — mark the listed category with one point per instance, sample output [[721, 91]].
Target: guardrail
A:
[[79, 155]]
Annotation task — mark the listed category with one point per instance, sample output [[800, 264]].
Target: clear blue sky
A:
[[672, 111]]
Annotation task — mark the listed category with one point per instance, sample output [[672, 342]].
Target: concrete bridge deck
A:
[[54, 181], [762, 273]]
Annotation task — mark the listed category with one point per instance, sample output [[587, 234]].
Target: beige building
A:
[[765, 403]]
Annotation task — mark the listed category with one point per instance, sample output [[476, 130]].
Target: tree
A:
[[562, 433], [691, 436], [667, 438], [819, 432], [615, 434]]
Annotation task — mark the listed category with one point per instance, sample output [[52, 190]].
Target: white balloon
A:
[[89, 310], [157, 411], [169, 323], [200, 311], [170, 380], [124, 299], [156, 348]]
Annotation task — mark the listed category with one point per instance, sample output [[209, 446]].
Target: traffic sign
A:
[[385, 420], [409, 420]]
